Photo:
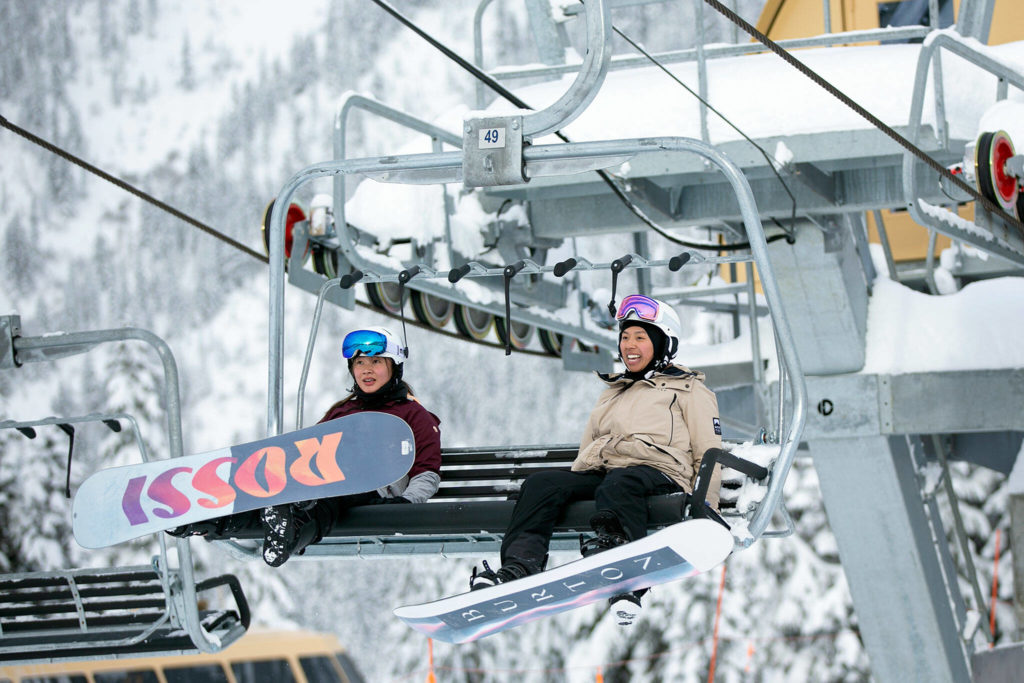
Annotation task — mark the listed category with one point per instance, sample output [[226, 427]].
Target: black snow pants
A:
[[622, 491]]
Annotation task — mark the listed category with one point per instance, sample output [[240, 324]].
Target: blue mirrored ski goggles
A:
[[369, 343], [643, 307]]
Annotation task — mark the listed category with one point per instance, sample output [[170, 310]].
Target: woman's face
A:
[[636, 348], [371, 372]]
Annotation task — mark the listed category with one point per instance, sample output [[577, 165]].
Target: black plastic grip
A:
[[564, 267], [677, 262], [350, 279], [408, 274], [620, 263], [513, 268], [456, 274]]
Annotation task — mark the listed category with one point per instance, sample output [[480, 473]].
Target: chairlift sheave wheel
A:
[[294, 215], [325, 261], [385, 296], [473, 322], [550, 341], [584, 348], [521, 333], [990, 157], [431, 310], [553, 343]]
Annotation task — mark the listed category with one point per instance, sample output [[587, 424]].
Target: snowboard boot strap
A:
[[609, 533], [226, 526], [307, 531], [484, 578], [510, 571], [194, 529], [606, 523], [600, 543]]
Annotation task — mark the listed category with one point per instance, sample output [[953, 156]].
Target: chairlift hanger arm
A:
[[176, 577], [572, 102], [52, 346]]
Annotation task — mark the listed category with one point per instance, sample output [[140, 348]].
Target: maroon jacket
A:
[[424, 424]]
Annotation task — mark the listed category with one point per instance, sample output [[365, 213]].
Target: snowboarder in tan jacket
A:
[[646, 436]]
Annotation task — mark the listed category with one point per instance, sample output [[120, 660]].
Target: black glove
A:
[[396, 499]]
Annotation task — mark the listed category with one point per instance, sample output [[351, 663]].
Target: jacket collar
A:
[[672, 371]]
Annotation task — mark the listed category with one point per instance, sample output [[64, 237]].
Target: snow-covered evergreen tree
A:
[[188, 79], [33, 508]]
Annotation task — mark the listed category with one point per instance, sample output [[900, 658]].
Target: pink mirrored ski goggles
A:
[[643, 308]]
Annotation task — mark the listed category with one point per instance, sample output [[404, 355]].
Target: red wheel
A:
[[294, 215], [990, 157]]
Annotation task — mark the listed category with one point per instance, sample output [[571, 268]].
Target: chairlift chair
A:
[[118, 611]]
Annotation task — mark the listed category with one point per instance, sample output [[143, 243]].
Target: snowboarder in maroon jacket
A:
[[375, 361]]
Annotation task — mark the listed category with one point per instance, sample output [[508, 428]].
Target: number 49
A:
[[492, 137]]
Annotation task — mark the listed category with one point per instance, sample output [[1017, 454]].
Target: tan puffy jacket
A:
[[666, 421]]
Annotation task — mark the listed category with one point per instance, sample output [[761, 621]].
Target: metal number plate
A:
[[492, 138]]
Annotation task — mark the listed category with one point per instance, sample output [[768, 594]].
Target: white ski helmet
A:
[[650, 311], [374, 341]]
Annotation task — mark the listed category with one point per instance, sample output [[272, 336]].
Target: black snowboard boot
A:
[[626, 607], [510, 571], [278, 534], [195, 529], [287, 530], [220, 527], [609, 534]]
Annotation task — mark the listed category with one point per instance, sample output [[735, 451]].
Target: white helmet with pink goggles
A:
[[374, 341], [654, 312]]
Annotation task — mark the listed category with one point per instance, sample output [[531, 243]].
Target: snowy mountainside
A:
[[212, 106]]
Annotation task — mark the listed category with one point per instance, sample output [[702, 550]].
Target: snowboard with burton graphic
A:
[[675, 552]]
